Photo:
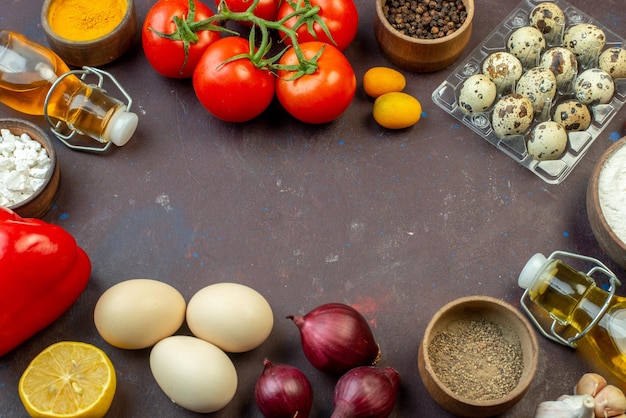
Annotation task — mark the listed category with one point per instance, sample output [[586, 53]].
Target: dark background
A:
[[394, 223]]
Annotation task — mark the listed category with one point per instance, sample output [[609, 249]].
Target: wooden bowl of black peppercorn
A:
[[426, 37]]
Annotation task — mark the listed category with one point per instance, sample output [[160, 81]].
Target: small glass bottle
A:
[[34, 80], [584, 315]]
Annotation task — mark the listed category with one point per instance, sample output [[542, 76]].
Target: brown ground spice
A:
[[425, 19], [477, 359]]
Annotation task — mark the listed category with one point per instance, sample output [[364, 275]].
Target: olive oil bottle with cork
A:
[[35, 81], [584, 315]]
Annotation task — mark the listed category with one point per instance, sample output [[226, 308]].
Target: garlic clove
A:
[[567, 406], [590, 384], [610, 402]]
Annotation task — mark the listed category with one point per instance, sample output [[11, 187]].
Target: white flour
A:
[[24, 164], [612, 192]]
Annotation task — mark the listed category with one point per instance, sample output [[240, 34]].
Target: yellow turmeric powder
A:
[[85, 20]]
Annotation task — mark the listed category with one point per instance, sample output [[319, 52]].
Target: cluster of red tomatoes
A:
[[234, 80]]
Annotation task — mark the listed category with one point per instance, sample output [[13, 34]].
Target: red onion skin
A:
[[336, 338], [366, 392], [283, 391]]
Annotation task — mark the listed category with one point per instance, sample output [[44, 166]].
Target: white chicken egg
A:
[[586, 41], [594, 86], [572, 115], [548, 141], [512, 115], [526, 44], [539, 85], [504, 69], [477, 94], [549, 19], [232, 316], [613, 62], [193, 373], [562, 62], [137, 313]]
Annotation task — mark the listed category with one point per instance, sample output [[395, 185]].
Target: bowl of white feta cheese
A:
[[29, 173]]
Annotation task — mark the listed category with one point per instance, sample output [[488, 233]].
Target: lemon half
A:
[[68, 379]]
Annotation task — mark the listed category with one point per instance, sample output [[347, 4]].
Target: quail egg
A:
[[586, 41], [562, 62], [594, 86], [613, 61], [526, 43], [539, 85], [572, 115], [504, 69], [548, 141], [512, 115], [549, 19], [477, 94]]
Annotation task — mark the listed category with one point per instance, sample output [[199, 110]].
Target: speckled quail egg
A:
[[504, 69], [527, 44], [594, 86], [548, 18], [477, 94], [562, 62], [539, 85], [512, 115], [572, 115], [613, 61], [586, 41], [548, 141]]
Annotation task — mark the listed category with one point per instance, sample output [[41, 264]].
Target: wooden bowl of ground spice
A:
[[423, 35], [478, 356], [89, 32], [606, 202]]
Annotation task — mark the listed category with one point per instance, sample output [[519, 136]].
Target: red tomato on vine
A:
[[340, 16], [265, 9], [321, 96], [236, 90], [175, 55]]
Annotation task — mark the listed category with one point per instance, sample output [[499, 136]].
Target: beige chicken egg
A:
[[572, 115], [193, 373], [138, 313], [477, 94], [234, 317], [613, 62], [548, 141], [539, 85], [512, 115]]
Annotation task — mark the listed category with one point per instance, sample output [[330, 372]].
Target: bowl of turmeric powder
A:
[[88, 32]]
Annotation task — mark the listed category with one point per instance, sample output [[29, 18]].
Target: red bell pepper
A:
[[42, 273]]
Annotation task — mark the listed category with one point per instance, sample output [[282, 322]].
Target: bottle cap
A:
[[121, 127], [530, 270]]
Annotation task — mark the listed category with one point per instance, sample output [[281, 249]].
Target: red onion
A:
[[366, 392], [336, 338], [283, 391]]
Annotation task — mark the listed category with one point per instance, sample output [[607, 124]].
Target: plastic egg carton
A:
[[555, 171]]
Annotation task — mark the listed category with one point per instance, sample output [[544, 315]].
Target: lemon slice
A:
[[68, 379]]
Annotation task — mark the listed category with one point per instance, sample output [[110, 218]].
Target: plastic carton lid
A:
[[530, 270], [121, 127]]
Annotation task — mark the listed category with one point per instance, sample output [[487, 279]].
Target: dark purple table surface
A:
[[395, 223]]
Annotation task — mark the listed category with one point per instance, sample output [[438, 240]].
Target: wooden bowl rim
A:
[[594, 190], [504, 307], [116, 32], [37, 134], [469, 6]]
